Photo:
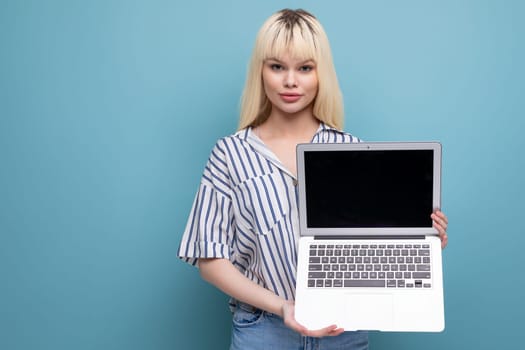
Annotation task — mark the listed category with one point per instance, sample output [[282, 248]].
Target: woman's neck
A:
[[299, 127], [282, 133]]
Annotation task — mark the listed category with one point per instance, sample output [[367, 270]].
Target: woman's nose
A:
[[290, 79]]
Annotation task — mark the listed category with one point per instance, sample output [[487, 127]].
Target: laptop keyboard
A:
[[369, 265]]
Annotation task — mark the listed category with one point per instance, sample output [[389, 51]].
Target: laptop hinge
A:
[[382, 237]]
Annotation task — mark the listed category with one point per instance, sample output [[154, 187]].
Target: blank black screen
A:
[[369, 188]]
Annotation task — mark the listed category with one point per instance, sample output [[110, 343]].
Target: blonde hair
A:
[[300, 33]]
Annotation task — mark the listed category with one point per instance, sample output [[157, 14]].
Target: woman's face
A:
[[290, 84]]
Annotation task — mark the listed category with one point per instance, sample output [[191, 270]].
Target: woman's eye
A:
[[276, 66], [306, 68]]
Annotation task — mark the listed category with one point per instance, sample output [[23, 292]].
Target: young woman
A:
[[243, 227]]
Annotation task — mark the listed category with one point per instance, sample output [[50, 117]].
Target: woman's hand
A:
[[440, 222], [288, 310], [226, 277]]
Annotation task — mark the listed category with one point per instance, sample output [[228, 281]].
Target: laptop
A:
[[369, 258]]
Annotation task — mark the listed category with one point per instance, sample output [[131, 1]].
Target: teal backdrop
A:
[[108, 112]]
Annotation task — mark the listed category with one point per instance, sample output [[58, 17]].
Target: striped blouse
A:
[[246, 210]]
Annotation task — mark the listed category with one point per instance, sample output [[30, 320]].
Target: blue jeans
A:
[[254, 329]]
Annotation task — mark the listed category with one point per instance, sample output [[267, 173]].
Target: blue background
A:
[[109, 109]]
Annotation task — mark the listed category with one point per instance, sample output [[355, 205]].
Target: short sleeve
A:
[[210, 228]]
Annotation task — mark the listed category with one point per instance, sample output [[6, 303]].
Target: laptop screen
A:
[[369, 188]]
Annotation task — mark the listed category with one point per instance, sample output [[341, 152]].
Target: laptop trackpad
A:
[[369, 311]]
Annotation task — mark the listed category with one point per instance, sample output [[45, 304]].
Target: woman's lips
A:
[[290, 97]]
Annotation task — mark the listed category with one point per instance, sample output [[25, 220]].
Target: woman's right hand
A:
[[288, 311], [226, 277]]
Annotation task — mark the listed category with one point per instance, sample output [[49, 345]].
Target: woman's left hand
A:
[[440, 222]]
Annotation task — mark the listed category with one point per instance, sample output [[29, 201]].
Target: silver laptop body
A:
[[369, 258]]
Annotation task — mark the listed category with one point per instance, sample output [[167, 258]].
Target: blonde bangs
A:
[[300, 41]]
